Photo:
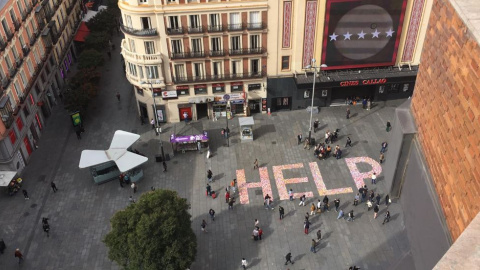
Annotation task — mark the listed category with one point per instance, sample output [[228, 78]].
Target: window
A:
[[236, 69], [128, 20], [149, 47], [143, 1], [12, 15], [216, 69], [197, 45], [215, 21], [133, 69], [173, 20], [216, 45], [22, 42], [194, 21], [255, 66], [285, 62], [146, 24], [255, 21], [18, 89], [30, 66], [132, 45], [15, 53], [20, 7], [176, 46], [140, 72], [198, 70], [152, 72], [5, 27], [8, 61], [255, 41], [179, 71], [235, 43], [235, 22], [23, 77]]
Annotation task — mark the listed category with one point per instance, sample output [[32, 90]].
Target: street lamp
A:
[[158, 129], [313, 94]]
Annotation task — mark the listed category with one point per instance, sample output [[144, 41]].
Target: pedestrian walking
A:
[[319, 206], [260, 232], [306, 226], [227, 196], [268, 203], [348, 113], [319, 235], [299, 138], [230, 203], [211, 212], [208, 190], [325, 204], [364, 103], [384, 147], [382, 158], [307, 216], [340, 214], [134, 187], [355, 200], [281, 211], [79, 133], [315, 126], [327, 136], [369, 104], [374, 178], [255, 234], [2, 246], [337, 204], [290, 194], [389, 126], [387, 200], [255, 164], [387, 217], [314, 245], [256, 223], [164, 166], [118, 96], [363, 193], [312, 209], [185, 117], [244, 263], [349, 142], [120, 179], [204, 226], [152, 123], [54, 187], [351, 217], [288, 258], [302, 200], [306, 144], [209, 176], [372, 196], [25, 194], [375, 211], [19, 255], [378, 198], [233, 190], [131, 200], [369, 205]]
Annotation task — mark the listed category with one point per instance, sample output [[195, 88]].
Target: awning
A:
[[82, 33], [6, 177]]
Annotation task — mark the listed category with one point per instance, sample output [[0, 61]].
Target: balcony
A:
[[3, 44], [256, 26], [29, 9], [225, 77], [41, 25], [5, 83], [216, 28], [217, 53], [150, 59], [139, 32], [175, 31], [247, 51], [16, 24], [12, 71], [185, 55], [18, 62], [24, 15], [236, 27], [25, 50], [193, 30], [9, 35]]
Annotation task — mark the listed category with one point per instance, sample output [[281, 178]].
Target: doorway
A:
[[188, 110], [202, 111], [339, 94], [143, 112]]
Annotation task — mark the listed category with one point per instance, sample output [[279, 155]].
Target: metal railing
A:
[[193, 30], [12, 71], [175, 31], [216, 28], [25, 50], [3, 44], [223, 77], [16, 24], [5, 82], [256, 26], [139, 32], [214, 53], [9, 35], [236, 27], [188, 54], [246, 51], [24, 15]]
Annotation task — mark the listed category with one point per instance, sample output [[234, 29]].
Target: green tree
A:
[[154, 233], [97, 41], [104, 21], [90, 59], [75, 99]]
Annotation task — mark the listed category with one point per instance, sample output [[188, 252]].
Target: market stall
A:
[[246, 128], [189, 142], [10, 180], [106, 165]]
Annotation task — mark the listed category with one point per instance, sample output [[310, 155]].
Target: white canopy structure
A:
[[6, 177], [117, 152]]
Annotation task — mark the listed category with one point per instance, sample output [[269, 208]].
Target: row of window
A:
[[217, 68], [151, 72], [194, 21], [21, 10]]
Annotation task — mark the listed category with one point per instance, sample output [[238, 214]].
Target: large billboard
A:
[[362, 33]]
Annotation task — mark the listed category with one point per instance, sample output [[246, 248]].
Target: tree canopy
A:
[[90, 59], [154, 233]]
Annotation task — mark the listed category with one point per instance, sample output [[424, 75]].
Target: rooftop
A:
[[468, 11]]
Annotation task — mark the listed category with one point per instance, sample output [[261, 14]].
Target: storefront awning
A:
[[201, 99], [6, 177], [82, 33]]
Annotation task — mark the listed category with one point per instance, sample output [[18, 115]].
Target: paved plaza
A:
[[80, 211]]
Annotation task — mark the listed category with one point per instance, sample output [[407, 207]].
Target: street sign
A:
[[226, 97]]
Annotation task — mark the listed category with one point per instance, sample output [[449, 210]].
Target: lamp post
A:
[[158, 129], [313, 94]]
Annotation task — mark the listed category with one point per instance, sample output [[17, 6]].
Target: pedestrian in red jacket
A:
[[227, 196]]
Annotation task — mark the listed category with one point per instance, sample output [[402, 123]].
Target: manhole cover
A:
[[42, 178], [174, 162], [33, 205], [134, 131], [26, 214], [259, 192], [274, 142]]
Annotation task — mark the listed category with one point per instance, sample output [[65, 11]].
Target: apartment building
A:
[[36, 53], [367, 48], [196, 58]]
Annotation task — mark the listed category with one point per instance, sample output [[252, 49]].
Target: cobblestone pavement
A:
[[80, 211]]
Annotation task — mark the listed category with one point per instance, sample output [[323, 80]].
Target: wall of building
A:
[[447, 112]]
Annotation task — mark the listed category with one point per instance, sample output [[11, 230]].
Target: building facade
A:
[[195, 58], [36, 53], [368, 48]]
